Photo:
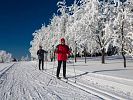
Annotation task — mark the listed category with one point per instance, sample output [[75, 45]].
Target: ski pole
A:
[[54, 61], [36, 64], [46, 64], [74, 71], [46, 60], [52, 73]]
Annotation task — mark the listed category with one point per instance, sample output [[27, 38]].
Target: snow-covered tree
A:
[[37, 41], [87, 25], [97, 23], [25, 58], [5, 57], [123, 28]]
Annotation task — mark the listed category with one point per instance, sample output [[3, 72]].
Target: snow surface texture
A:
[[23, 80]]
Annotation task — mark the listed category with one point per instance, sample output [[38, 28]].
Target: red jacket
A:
[[62, 51]]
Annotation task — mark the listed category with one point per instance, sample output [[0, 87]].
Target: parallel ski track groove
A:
[[6, 70], [89, 89], [117, 96]]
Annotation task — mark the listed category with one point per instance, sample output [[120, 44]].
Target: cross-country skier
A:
[[40, 54], [62, 51]]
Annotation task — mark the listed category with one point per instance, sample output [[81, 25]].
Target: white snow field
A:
[[86, 81]]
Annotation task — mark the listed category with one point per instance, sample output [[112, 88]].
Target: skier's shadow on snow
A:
[[97, 72], [77, 65], [78, 75], [110, 70], [113, 62]]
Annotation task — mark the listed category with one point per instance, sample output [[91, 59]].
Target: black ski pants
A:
[[64, 68], [41, 61]]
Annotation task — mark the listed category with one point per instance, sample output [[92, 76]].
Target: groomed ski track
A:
[[111, 87], [23, 81], [105, 95]]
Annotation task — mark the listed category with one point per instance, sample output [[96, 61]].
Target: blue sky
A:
[[19, 19]]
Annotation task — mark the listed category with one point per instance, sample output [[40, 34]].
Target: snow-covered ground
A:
[[93, 81]]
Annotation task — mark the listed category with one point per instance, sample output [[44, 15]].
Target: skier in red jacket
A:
[[62, 51]]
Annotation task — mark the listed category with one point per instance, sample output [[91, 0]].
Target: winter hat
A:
[[40, 46], [62, 40]]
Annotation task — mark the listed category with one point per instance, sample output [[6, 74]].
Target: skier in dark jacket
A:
[[62, 51], [40, 54]]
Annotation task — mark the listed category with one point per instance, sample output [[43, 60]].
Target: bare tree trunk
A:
[[75, 51], [122, 49], [85, 53], [2, 61], [123, 53], [103, 56], [75, 57], [124, 58]]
